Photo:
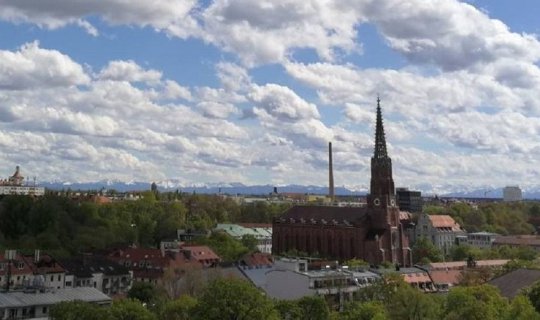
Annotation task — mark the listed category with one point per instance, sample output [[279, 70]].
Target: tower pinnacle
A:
[[380, 141]]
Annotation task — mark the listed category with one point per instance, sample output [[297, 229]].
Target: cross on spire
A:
[[380, 141]]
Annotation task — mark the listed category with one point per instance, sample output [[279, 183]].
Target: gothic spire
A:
[[380, 141]]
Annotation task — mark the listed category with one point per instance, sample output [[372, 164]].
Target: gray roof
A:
[[27, 299], [513, 282]]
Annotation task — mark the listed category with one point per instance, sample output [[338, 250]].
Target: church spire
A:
[[380, 141]]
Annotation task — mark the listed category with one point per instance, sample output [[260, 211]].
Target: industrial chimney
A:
[[330, 173]]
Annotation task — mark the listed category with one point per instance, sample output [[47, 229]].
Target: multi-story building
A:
[[48, 269], [512, 193], [410, 201], [104, 275], [14, 185], [441, 230], [13, 268], [483, 240]]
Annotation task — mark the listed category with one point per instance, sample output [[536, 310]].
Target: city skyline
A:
[[236, 91]]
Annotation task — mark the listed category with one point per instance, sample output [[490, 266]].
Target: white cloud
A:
[[32, 66], [172, 16], [119, 70]]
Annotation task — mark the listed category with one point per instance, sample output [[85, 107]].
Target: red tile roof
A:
[[201, 253], [18, 266], [451, 277]]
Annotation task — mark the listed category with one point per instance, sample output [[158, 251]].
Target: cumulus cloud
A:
[[172, 16], [129, 71], [31, 66]]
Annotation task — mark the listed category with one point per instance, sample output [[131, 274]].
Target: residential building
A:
[[202, 254], [290, 279], [410, 201], [530, 241], [14, 185], [97, 272], [14, 266], [36, 304], [441, 230], [512, 193], [261, 231], [373, 233], [483, 240], [45, 266]]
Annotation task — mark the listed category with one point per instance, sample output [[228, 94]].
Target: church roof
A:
[[324, 215]]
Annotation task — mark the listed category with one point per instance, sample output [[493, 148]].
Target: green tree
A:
[[233, 299], [521, 309], [475, 303], [178, 309], [371, 310], [288, 310], [313, 308], [533, 293], [78, 310], [128, 309], [425, 250], [143, 291], [250, 242]]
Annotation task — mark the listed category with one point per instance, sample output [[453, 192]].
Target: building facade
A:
[[14, 185], [373, 233], [441, 230], [408, 200], [512, 193]]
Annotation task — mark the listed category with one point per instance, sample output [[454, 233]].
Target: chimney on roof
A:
[[37, 255], [330, 173]]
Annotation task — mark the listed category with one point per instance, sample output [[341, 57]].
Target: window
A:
[[59, 277], [44, 310], [52, 278]]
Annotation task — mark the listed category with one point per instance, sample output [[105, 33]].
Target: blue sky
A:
[[251, 92]]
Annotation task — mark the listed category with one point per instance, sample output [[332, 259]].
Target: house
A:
[[37, 304], [14, 265], [97, 272], [446, 275], [47, 268], [373, 233], [441, 230], [260, 231], [202, 254], [512, 283]]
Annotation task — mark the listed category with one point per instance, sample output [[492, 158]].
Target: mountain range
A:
[[240, 188]]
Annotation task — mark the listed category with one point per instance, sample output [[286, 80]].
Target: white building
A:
[[14, 185], [482, 240], [441, 230], [512, 193], [37, 304], [290, 279]]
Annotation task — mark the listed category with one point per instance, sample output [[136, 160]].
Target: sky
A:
[[252, 91]]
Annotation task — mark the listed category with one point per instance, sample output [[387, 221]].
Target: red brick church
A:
[[373, 233]]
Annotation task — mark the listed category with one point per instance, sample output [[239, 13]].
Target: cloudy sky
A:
[[252, 91]]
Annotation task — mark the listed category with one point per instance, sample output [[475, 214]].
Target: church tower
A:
[[381, 199]]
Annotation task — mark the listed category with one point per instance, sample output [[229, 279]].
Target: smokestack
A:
[[330, 173]]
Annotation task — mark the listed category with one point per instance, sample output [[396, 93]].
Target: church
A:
[[373, 233]]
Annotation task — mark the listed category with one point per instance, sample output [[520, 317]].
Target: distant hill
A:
[[240, 188]]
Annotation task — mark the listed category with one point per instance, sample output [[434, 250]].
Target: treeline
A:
[[502, 218], [388, 299], [64, 226]]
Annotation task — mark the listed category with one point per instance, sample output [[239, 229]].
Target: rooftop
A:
[[25, 299]]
